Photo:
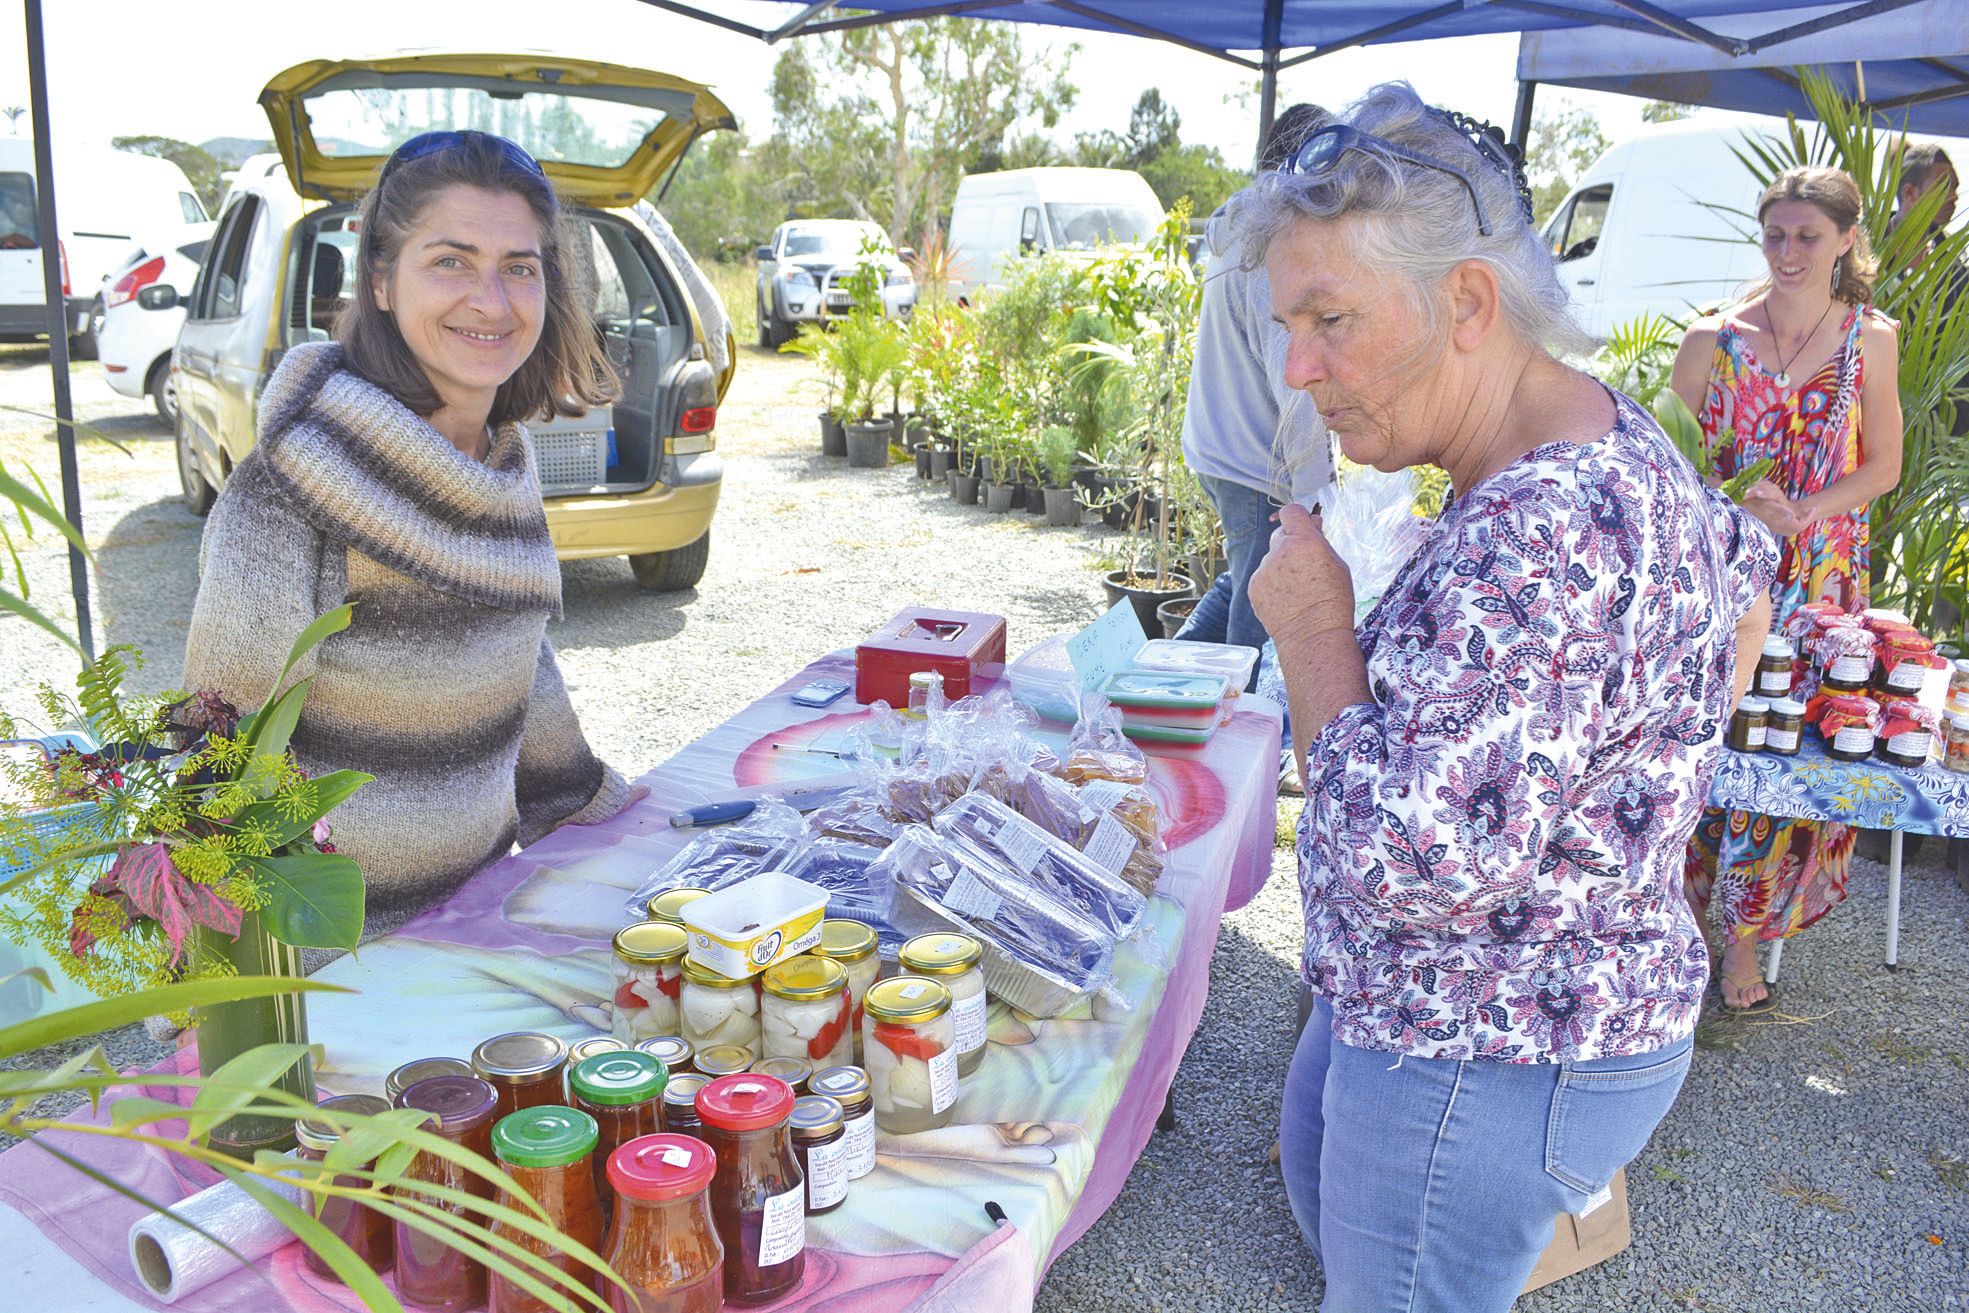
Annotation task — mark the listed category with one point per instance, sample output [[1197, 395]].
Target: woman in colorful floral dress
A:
[[1803, 373], [1504, 762]]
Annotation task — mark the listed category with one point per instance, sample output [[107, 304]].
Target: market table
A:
[[1047, 1129], [1870, 794]]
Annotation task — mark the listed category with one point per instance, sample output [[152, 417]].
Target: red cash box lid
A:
[[955, 644]]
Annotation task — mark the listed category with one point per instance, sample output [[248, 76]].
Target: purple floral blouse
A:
[[1491, 852]]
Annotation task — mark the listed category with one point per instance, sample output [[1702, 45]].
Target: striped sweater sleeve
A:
[[559, 780]]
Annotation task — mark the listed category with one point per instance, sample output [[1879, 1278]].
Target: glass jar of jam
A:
[[663, 1243], [588, 1048], [431, 1274], [725, 1060], [667, 905], [911, 1043], [759, 1196], [550, 1153], [355, 1224], [1785, 732], [719, 1010], [1750, 724], [649, 979], [1955, 743], [680, 1103], [1846, 656], [853, 945], [1774, 668], [794, 1071], [805, 1011], [674, 1051], [525, 1066], [819, 1132], [848, 1086], [1849, 723], [623, 1092], [1958, 687], [952, 959], [1907, 736], [422, 1069]]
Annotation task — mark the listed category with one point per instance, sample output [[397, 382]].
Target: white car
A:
[[137, 327], [803, 274]]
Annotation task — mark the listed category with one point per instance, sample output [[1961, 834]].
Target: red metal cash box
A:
[[955, 644]]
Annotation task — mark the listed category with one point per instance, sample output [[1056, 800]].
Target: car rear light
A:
[[61, 252], [127, 287], [115, 369], [699, 419]]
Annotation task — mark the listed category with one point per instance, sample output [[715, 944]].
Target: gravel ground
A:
[[1818, 1152]]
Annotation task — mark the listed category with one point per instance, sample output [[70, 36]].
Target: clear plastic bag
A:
[[991, 832], [1370, 519], [726, 855], [1098, 750], [847, 872]]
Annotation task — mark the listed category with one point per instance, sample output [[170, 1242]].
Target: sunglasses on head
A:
[[1320, 154], [430, 143]]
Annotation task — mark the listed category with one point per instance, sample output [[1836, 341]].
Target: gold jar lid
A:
[[682, 1089], [723, 1060], [588, 1048], [940, 954], [699, 974], [805, 978], [845, 941], [794, 1071], [815, 1117], [666, 905], [423, 1069], [674, 1051], [321, 1136], [906, 999], [847, 1086], [651, 943], [519, 1058]]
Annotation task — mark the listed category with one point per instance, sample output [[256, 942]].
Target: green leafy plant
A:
[[820, 346], [1058, 451], [30, 504]]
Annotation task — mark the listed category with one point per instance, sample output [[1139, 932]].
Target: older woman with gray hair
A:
[[1504, 760]]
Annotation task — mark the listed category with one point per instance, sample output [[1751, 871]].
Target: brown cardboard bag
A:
[[1582, 1240]]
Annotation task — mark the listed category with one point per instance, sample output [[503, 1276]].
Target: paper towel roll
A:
[[173, 1261]]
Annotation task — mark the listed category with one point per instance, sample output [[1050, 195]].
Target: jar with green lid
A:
[[848, 1086], [525, 1066], [794, 1071], [422, 1069], [853, 945], [719, 1009], [805, 1013], [680, 1103], [648, 967], [357, 1225], [667, 905], [911, 1043], [550, 1153], [819, 1130], [953, 959], [623, 1092], [725, 1060], [675, 1051]]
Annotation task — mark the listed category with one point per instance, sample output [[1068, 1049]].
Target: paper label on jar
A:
[[827, 1174], [1913, 743], [1023, 844], [1103, 794], [860, 1139], [1781, 740], [970, 896], [1854, 738], [1773, 683], [1111, 846], [1849, 669], [969, 1016], [783, 1228], [1754, 736], [943, 1080]]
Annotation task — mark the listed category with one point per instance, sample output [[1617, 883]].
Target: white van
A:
[[1662, 223], [998, 216], [105, 200]]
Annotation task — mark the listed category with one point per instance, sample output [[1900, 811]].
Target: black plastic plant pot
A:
[[963, 488], [1063, 507], [1144, 596], [1174, 614], [922, 461], [868, 445], [998, 497], [941, 459], [833, 436]]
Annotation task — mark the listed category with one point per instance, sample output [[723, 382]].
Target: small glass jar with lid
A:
[[1785, 732], [550, 1153], [911, 1044], [1774, 668], [952, 959], [805, 1011], [663, 1243], [623, 1092], [819, 1130], [668, 905], [853, 945], [1750, 725], [848, 1086], [758, 1196], [357, 1225], [674, 1051], [525, 1066], [926, 697], [422, 1069], [429, 1273], [1849, 723], [794, 1071], [588, 1048], [1958, 687], [725, 1060], [648, 969], [719, 1009], [680, 1103], [1955, 743]]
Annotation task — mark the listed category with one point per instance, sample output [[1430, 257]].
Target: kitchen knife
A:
[[735, 809]]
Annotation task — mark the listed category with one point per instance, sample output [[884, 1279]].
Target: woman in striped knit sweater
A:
[[393, 473]]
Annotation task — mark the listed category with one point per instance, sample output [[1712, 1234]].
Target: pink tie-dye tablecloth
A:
[[1047, 1128]]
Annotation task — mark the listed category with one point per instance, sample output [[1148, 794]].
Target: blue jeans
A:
[[1246, 514], [1438, 1183]]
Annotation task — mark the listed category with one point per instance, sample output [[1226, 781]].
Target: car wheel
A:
[[198, 494], [163, 388], [82, 346], [673, 571], [765, 325]]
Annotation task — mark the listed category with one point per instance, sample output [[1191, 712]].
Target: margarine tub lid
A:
[[754, 915]]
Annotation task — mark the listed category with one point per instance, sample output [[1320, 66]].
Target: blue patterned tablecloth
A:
[[1870, 794]]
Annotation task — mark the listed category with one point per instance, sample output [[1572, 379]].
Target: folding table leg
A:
[[1893, 900]]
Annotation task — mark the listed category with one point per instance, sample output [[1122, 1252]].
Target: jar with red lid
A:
[[623, 1092], [1849, 724], [524, 1066], [759, 1196], [663, 1243], [680, 1102], [430, 1273], [549, 1152], [357, 1225]]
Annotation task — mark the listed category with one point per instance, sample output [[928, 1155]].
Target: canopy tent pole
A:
[[1268, 78], [1521, 117], [57, 307]]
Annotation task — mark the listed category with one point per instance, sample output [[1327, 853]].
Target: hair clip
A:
[[1497, 151]]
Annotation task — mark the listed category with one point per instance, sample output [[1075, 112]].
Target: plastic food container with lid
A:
[[550, 1154], [369, 1233], [648, 971], [912, 1054], [953, 960], [1228, 661], [854, 946], [719, 1009], [848, 1086], [742, 930], [524, 1066], [663, 1243], [805, 1011]]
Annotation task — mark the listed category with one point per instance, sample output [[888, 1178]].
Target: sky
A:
[[120, 67]]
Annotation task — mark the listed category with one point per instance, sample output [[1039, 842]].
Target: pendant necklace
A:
[[1783, 376]]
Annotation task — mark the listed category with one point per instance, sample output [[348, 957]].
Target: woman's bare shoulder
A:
[[1877, 329]]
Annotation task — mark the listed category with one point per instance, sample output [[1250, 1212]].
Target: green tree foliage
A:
[[198, 164], [724, 200], [1153, 147], [1564, 144], [1664, 111]]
